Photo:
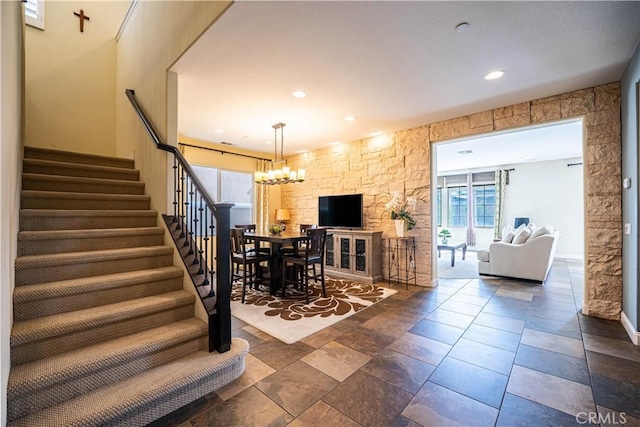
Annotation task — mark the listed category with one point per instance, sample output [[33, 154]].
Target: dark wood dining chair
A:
[[304, 262], [251, 244], [305, 227], [246, 261], [300, 245]]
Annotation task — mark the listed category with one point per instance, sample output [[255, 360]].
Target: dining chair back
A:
[[247, 261], [305, 261]]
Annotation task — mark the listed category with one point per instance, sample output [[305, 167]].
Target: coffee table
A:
[[452, 247]]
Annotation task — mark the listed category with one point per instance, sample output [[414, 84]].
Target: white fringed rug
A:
[[290, 319]]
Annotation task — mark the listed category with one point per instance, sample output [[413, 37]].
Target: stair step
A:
[[74, 157], [46, 299], [48, 167], [34, 181], [34, 269], [63, 241], [62, 219], [148, 396], [33, 199], [43, 383], [44, 337]]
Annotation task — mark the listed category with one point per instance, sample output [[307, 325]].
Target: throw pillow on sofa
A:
[[541, 231], [508, 238], [520, 228], [522, 236]]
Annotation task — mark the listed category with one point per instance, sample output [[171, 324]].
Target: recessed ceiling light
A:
[[494, 75], [334, 143], [462, 26], [374, 133], [350, 118], [268, 142], [299, 94], [218, 131], [301, 151]]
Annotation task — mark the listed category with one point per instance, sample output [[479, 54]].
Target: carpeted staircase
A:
[[103, 332]]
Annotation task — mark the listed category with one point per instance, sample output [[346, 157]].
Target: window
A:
[[229, 187], [484, 205], [457, 206], [34, 13]]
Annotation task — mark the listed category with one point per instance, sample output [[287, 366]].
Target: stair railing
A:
[[195, 217]]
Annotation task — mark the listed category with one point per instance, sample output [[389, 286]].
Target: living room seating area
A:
[[524, 253]]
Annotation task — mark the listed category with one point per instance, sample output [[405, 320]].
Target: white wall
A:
[[630, 196], [11, 136], [550, 193]]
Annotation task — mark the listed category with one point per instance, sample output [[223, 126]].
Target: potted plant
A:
[[400, 209], [445, 234]]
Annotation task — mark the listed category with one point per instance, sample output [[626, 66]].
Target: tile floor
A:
[[476, 352]]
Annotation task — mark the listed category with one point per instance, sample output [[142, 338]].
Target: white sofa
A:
[[528, 256]]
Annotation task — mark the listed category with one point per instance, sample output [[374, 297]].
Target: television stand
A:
[[354, 255]]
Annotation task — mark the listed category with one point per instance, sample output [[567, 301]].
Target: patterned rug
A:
[[290, 319]]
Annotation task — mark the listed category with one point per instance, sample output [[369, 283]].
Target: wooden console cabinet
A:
[[354, 255]]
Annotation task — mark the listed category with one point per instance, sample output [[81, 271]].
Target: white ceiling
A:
[[394, 65], [560, 140]]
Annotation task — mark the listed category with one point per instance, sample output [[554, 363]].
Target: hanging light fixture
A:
[[280, 173]]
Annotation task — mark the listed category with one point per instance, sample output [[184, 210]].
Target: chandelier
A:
[[280, 173]]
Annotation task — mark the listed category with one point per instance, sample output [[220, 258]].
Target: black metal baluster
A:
[[191, 218], [205, 242], [210, 258], [182, 202], [200, 241], [175, 190]]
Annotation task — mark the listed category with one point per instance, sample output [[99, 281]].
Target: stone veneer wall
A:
[[401, 161]]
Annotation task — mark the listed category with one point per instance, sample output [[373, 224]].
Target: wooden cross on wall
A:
[[82, 17]]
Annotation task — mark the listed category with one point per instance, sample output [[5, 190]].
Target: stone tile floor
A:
[[477, 352]]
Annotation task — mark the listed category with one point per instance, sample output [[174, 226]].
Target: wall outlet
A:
[[627, 228]]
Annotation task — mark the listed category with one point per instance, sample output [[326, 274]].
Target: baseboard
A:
[[633, 334], [579, 257]]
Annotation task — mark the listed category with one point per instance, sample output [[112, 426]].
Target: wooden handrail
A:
[[219, 313]]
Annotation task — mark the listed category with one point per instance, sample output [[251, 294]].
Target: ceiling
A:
[[394, 65], [559, 140]]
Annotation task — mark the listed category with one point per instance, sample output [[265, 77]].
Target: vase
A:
[[444, 240], [401, 227]]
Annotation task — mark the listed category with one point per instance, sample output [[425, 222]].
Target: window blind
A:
[[34, 13]]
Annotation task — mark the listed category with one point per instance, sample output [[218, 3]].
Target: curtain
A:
[[262, 198], [502, 177], [471, 233]]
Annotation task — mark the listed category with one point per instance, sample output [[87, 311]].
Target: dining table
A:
[[277, 242]]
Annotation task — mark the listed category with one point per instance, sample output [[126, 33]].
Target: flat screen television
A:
[[343, 211]]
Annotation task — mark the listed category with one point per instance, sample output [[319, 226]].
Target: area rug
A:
[[290, 319]]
